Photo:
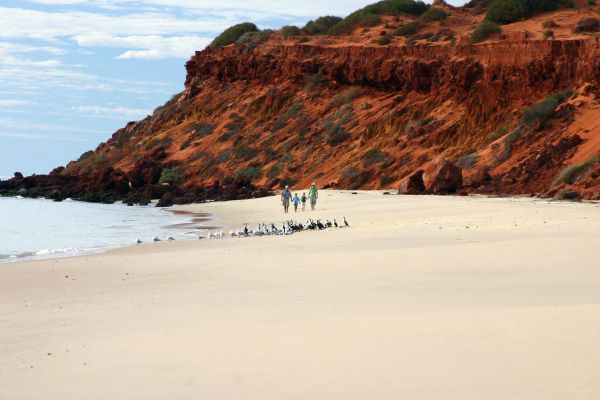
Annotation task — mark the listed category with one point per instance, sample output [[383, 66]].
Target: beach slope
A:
[[420, 298]]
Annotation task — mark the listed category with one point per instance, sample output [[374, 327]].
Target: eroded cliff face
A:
[[369, 117]]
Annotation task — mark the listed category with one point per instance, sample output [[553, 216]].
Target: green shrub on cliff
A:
[[354, 20], [533, 115], [249, 173], [253, 39], [274, 171], [587, 25], [321, 25], [283, 119], [384, 40], [538, 112], [507, 11], [232, 34], [434, 14], [245, 152], [484, 30], [201, 130], [290, 30], [408, 29], [171, 176], [369, 15], [345, 97], [349, 172], [572, 173], [374, 156]]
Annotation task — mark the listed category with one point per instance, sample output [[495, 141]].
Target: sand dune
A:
[[422, 298]]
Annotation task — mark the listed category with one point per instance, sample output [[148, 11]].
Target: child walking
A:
[[304, 198], [296, 200]]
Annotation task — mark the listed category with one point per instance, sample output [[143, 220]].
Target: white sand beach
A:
[[421, 298]]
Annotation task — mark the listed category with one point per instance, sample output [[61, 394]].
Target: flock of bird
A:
[[287, 228]]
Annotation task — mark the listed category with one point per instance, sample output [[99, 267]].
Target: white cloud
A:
[[21, 125], [28, 79], [10, 54], [10, 103], [306, 8], [20, 48], [61, 138], [112, 111], [41, 25], [147, 47]]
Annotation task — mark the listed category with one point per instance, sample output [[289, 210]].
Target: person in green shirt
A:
[[313, 195], [303, 200]]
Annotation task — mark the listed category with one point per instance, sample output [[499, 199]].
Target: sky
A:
[[74, 71]]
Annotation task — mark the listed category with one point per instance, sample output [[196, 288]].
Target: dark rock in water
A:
[[91, 197], [130, 204], [442, 177], [55, 195], [413, 184]]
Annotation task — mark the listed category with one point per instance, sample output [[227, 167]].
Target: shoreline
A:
[[197, 214], [194, 222]]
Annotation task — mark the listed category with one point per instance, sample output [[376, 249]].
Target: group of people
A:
[[287, 198]]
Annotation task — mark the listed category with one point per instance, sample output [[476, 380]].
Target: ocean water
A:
[[39, 228]]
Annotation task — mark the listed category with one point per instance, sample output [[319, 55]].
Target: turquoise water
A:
[[36, 228]]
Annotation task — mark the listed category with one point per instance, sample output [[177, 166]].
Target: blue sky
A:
[[74, 71]]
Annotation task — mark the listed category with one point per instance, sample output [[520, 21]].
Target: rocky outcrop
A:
[[412, 184], [109, 185], [442, 177]]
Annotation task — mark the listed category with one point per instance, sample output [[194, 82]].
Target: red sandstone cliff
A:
[[359, 115]]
